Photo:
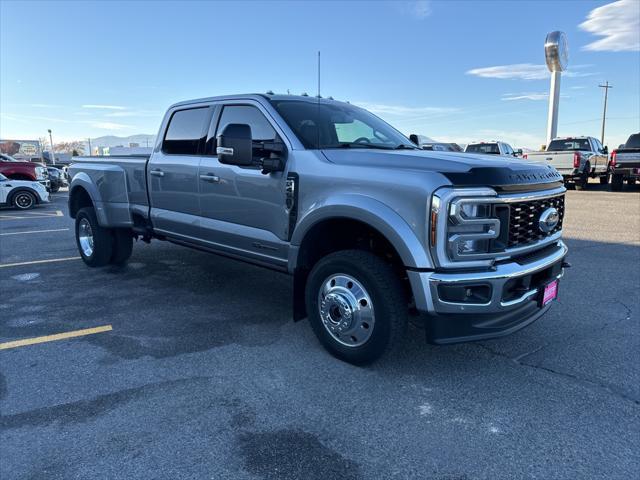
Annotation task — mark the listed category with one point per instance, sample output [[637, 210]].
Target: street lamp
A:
[[556, 52], [53, 155]]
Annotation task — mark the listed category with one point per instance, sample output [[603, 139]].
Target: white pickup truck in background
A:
[[576, 159]]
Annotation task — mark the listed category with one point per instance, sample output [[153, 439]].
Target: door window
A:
[[185, 132], [261, 129]]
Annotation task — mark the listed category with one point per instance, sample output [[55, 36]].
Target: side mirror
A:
[[234, 145], [605, 150], [518, 152]]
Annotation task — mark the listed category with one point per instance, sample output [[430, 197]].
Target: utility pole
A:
[[606, 87], [53, 155], [89, 145]]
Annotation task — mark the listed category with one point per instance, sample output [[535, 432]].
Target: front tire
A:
[[24, 200], [94, 242], [357, 306]]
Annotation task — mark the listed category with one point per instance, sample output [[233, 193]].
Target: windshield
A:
[[569, 144], [633, 141], [8, 158], [491, 148], [338, 125]]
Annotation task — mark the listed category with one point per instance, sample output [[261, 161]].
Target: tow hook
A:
[[566, 264]]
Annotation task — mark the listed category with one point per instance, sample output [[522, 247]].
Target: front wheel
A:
[[24, 200], [94, 242], [356, 305]]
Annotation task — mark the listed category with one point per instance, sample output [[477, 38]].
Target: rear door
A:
[[172, 173], [599, 162], [243, 210]]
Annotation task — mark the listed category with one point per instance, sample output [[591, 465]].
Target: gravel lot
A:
[[204, 374]]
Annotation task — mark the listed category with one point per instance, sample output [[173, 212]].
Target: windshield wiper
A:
[[363, 145], [403, 146]]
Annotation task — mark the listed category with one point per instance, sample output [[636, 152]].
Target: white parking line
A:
[[35, 231], [51, 260], [57, 213]]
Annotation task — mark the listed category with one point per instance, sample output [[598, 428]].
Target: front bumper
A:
[[511, 297]]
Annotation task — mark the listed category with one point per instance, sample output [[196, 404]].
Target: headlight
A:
[[462, 226]]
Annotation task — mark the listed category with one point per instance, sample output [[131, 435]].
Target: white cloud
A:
[[420, 9], [507, 97], [105, 107], [618, 23], [402, 110], [133, 113], [109, 126], [524, 71]]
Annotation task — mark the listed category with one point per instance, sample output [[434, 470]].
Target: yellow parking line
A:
[[57, 213], [53, 338], [34, 262], [35, 231]]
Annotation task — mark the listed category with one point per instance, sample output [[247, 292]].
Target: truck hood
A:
[[460, 168]]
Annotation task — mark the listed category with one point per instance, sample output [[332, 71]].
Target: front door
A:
[[172, 174], [243, 210]]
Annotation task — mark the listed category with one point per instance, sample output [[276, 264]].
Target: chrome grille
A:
[[524, 217]]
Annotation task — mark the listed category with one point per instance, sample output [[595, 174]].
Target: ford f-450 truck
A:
[[371, 228]]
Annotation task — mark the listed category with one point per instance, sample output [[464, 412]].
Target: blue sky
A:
[[455, 71]]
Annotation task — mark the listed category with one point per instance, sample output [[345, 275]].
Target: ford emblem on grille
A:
[[548, 220]]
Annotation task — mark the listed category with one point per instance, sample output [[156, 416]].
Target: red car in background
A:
[[18, 170]]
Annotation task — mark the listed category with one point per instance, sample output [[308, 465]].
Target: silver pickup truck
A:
[[371, 228], [577, 159]]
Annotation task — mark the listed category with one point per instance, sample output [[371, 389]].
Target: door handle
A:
[[210, 177], [157, 173]]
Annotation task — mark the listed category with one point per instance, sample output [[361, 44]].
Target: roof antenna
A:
[[318, 109], [319, 74]]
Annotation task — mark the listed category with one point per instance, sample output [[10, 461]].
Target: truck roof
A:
[[258, 96]]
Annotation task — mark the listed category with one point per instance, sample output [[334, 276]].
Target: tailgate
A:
[[559, 160]]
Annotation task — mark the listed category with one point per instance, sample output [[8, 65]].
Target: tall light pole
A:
[[53, 155], [606, 87], [89, 145], [556, 53]]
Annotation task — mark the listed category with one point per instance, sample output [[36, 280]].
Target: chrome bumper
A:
[[425, 286]]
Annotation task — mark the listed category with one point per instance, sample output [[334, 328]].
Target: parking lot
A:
[[193, 368]]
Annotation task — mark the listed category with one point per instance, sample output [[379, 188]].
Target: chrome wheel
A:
[[85, 237], [24, 200], [346, 310]]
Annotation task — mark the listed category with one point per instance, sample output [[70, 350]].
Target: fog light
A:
[[465, 293]]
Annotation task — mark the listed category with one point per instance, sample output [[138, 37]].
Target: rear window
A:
[[185, 132], [491, 148], [634, 141], [569, 144]]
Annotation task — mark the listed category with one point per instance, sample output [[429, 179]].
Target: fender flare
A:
[[82, 180], [372, 212]]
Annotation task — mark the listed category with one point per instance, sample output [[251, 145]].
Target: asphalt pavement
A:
[[203, 373]]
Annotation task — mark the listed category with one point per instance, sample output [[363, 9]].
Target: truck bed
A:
[[121, 181]]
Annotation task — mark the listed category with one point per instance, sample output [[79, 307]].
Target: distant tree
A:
[[75, 148], [75, 153]]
